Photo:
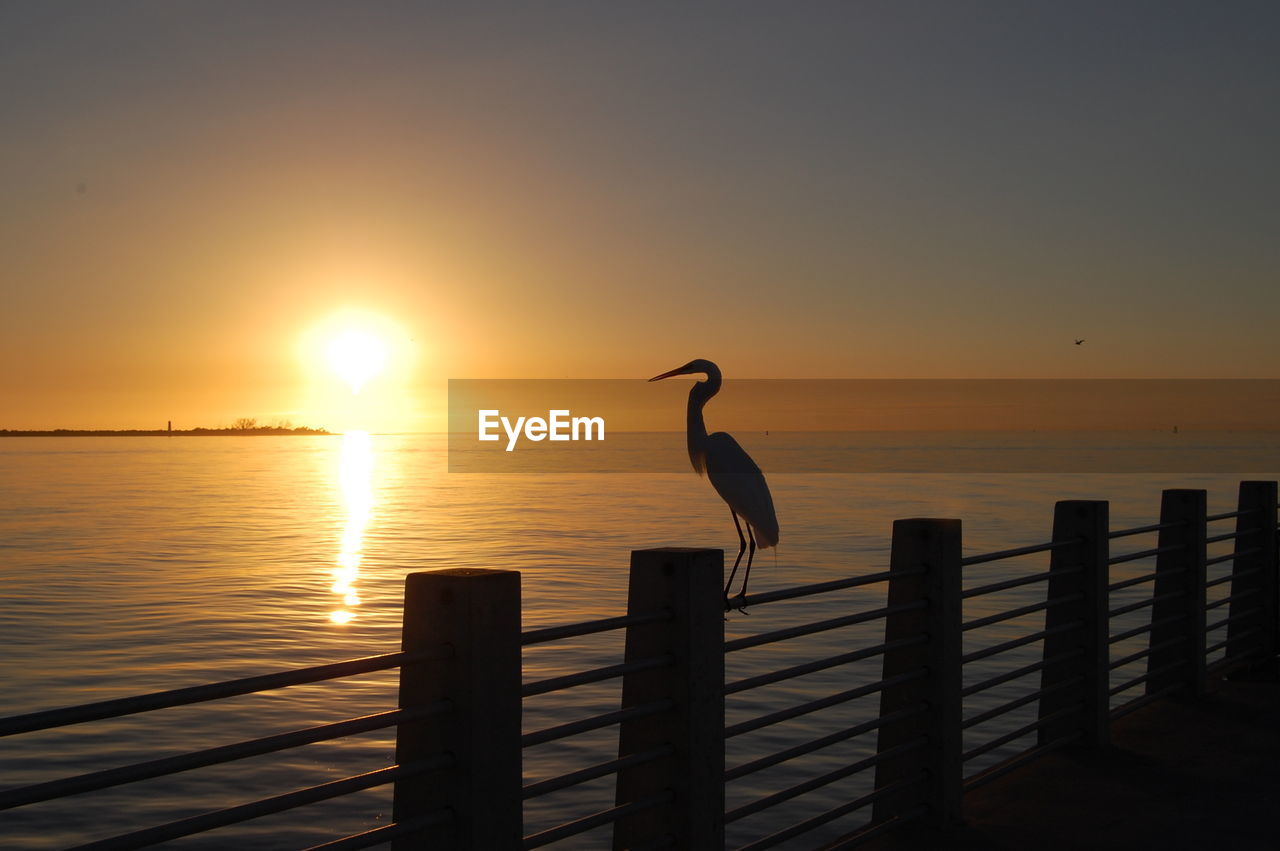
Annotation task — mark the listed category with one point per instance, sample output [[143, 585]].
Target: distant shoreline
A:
[[160, 432]]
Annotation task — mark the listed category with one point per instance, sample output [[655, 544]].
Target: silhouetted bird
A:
[[732, 472], [1078, 342]]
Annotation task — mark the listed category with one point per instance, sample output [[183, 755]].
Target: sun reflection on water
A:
[[355, 476]]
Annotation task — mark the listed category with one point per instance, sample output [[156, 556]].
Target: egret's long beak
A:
[[677, 371]]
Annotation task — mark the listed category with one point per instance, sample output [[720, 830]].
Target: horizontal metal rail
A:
[[824, 587], [573, 778], [1139, 702], [1015, 583], [1231, 662], [267, 806], [1214, 648], [1219, 580], [573, 630], [1150, 675], [983, 558], [1016, 703], [386, 833], [1144, 652], [1237, 617], [820, 626], [1154, 551], [1251, 612], [1227, 536], [1209, 562], [1240, 574], [560, 731], [1007, 676], [762, 804], [1146, 627], [821, 703], [1239, 595], [107, 778], [1144, 603], [1227, 515], [595, 820], [1142, 530], [595, 675], [1019, 642], [821, 664], [995, 772], [1218, 624], [739, 771], [1137, 580], [838, 812], [978, 623], [1024, 730], [50, 718]]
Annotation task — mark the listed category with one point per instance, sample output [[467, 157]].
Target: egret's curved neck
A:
[[696, 428]]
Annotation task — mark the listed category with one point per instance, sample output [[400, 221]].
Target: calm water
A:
[[129, 565]]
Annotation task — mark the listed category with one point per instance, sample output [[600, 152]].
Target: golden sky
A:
[[196, 194]]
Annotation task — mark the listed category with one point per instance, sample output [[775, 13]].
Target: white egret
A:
[[732, 472]]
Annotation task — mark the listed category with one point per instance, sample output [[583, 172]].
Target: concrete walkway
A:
[[1180, 775]]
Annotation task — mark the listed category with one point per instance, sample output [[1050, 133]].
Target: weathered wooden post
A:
[[476, 613], [931, 546], [1254, 629], [1083, 524], [688, 584], [1177, 639]]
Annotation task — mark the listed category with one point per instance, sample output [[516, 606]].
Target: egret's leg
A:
[[742, 547], [746, 577]]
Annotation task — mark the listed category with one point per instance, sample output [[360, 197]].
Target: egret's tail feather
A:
[[766, 537]]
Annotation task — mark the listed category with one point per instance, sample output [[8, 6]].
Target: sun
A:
[[356, 356], [358, 367]]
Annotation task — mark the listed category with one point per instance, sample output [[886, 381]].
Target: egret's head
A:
[[693, 367]]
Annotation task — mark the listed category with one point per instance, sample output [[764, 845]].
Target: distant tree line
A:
[[243, 425]]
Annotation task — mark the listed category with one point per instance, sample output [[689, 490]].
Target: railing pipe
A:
[[164, 766], [687, 582], [935, 546], [1180, 567], [478, 613], [121, 706]]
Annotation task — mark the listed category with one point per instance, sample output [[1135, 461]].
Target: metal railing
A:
[[173, 764], [929, 700]]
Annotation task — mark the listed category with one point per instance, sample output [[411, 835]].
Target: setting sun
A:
[[359, 369], [356, 356]]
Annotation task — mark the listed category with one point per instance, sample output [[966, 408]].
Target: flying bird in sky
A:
[[732, 472], [1081, 340]]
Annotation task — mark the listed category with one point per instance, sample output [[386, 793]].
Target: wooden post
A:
[[933, 545], [1084, 524], [477, 613], [1182, 638], [688, 584], [1254, 630]]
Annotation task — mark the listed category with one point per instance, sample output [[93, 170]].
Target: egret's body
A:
[[732, 472]]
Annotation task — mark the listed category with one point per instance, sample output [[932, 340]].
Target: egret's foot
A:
[[738, 602]]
